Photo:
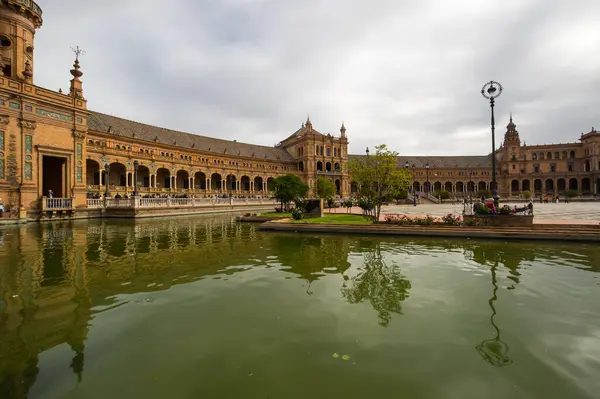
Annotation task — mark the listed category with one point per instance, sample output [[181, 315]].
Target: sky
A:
[[398, 72]]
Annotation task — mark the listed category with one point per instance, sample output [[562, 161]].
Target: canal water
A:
[[202, 307]]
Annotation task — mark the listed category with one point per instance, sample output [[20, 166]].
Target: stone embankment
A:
[[546, 232]]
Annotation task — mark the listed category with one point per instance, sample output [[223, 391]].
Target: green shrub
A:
[[570, 193], [297, 213]]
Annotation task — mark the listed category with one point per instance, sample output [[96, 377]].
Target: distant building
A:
[[52, 145]]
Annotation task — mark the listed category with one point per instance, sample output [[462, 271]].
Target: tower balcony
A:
[[29, 8]]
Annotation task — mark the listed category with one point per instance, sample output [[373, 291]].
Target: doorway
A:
[[53, 176]]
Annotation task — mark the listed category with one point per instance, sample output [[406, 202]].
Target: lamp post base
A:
[[496, 198]]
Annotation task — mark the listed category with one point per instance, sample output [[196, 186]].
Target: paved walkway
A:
[[561, 213]]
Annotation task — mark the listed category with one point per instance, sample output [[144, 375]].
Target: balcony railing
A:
[[329, 172], [57, 204], [174, 202]]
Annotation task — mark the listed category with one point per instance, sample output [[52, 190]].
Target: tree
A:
[[379, 179], [287, 188], [526, 194], [325, 189], [483, 193], [571, 193], [442, 194]]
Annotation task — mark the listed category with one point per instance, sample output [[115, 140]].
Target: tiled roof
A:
[[447, 162], [125, 128]]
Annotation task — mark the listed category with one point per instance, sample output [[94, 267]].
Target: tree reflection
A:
[[382, 285], [494, 351]]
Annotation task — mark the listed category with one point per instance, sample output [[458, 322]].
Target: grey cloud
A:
[[403, 73]]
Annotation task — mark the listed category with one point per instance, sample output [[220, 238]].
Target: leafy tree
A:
[[325, 188], [382, 285], [379, 179], [570, 193], [443, 194], [287, 188], [483, 193], [526, 194]]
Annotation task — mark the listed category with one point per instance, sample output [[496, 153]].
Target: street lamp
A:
[[136, 165], [492, 90], [367, 151], [427, 179], [106, 179], [406, 165]]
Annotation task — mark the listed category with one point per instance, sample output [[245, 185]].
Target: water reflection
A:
[[382, 285], [494, 351], [54, 278]]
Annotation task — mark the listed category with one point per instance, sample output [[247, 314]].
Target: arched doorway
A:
[[117, 175], [573, 184], [353, 187], [471, 186], [526, 185], [482, 186], [549, 186], [448, 186], [182, 180], [338, 187], [245, 183], [231, 183], [460, 187], [537, 186], [270, 182], [163, 178], [514, 187], [328, 166], [437, 186], [93, 173], [319, 166], [561, 186], [337, 167], [216, 182], [416, 187], [258, 184], [586, 186], [143, 176], [200, 181]]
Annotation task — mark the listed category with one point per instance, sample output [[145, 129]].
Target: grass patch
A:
[[277, 214], [336, 219]]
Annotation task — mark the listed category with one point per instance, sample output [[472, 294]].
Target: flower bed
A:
[[448, 220], [506, 216]]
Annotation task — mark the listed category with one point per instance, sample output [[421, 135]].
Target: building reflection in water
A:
[[55, 277]]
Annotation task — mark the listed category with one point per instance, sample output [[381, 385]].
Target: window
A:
[[556, 155], [534, 156], [552, 168], [328, 151], [536, 168], [570, 167], [541, 156], [514, 167], [5, 41], [564, 155], [549, 155]]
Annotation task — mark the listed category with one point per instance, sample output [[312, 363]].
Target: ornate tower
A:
[[19, 20], [511, 137]]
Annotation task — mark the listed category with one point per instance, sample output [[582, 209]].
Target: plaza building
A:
[[50, 142], [543, 170]]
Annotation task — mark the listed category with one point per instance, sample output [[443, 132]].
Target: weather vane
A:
[[78, 51]]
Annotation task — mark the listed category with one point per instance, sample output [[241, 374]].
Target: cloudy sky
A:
[[401, 72]]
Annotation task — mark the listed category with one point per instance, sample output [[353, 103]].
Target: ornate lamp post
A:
[[406, 165], [136, 166], [107, 179], [492, 90], [427, 178]]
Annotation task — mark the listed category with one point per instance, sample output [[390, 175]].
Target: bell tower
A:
[[19, 20]]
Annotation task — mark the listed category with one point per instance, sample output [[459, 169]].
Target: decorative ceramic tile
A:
[[1, 140], [79, 150], [56, 115], [79, 119], [28, 144], [14, 105], [28, 108], [79, 174], [1, 168], [28, 173]]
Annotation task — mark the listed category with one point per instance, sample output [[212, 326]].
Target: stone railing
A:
[[94, 203], [174, 202], [57, 204]]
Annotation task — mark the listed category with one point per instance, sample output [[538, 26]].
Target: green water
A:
[[206, 308]]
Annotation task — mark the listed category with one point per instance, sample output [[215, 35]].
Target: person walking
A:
[[1, 208]]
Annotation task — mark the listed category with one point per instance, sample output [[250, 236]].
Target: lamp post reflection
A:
[[494, 350]]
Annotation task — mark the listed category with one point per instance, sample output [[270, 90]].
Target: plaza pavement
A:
[[561, 213]]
